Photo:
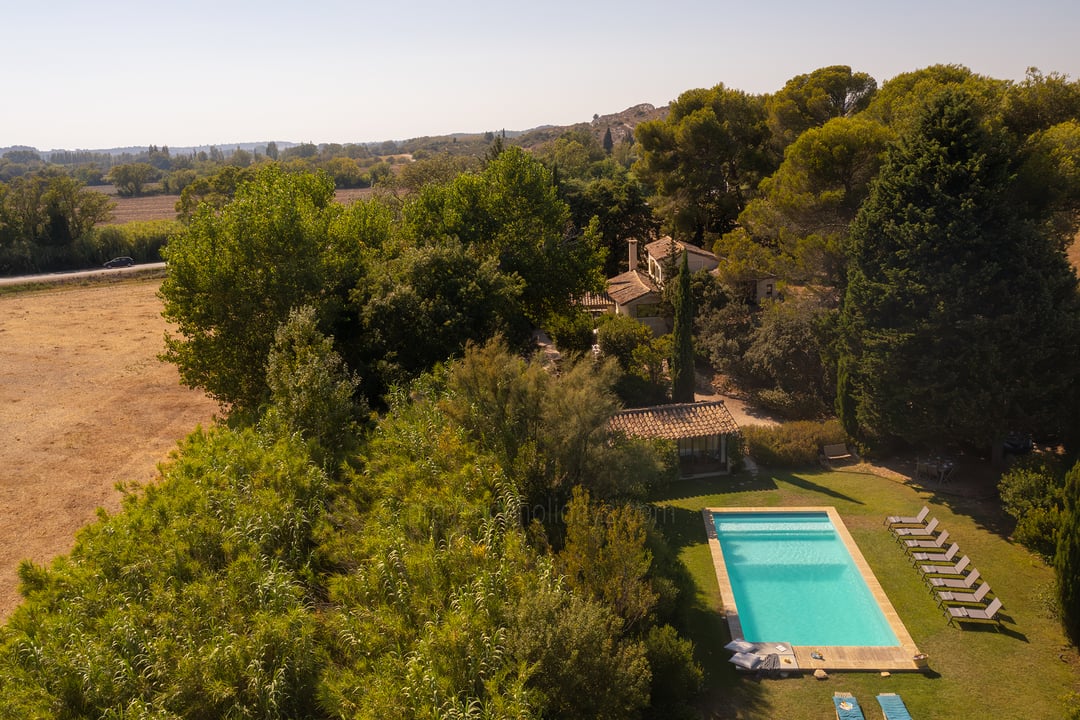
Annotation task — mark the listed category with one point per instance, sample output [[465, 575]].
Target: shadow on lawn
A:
[[718, 485], [800, 481]]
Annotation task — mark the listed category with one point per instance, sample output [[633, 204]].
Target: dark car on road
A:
[[120, 262]]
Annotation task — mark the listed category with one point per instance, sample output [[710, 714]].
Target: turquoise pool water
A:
[[794, 581]]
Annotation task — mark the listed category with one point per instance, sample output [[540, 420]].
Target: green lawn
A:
[[975, 672]]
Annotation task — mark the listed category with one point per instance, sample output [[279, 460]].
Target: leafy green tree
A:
[[216, 190], [573, 153], [619, 336], [811, 100], [1048, 178], [1040, 102], [1033, 493], [422, 304], [549, 431], [618, 202], [236, 273], [511, 213], [605, 557], [682, 358], [789, 359], [312, 393], [131, 179], [805, 208], [192, 602], [676, 677], [574, 333], [345, 172], [900, 101], [1067, 558], [583, 669], [945, 277], [438, 169], [73, 210], [705, 160]]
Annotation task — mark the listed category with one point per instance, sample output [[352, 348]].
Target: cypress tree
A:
[[1067, 558], [682, 361], [956, 304]]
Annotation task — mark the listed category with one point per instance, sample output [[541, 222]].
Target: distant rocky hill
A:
[[622, 126]]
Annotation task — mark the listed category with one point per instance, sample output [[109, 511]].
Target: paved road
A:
[[79, 274]]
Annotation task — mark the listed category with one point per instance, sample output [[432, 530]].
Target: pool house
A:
[[704, 431]]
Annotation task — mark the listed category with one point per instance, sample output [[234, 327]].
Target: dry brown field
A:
[[163, 207], [150, 207], [84, 404]]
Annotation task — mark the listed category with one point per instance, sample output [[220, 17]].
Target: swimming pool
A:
[[794, 580]]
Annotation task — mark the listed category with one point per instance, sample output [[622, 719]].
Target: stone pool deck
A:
[[833, 657]]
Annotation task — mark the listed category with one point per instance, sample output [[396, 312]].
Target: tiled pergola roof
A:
[[673, 422]]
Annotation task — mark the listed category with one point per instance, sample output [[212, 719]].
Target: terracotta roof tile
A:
[[660, 249], [630, 286], [681, 420], [595, 301]]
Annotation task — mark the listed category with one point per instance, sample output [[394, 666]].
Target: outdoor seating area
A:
[[955, 583]]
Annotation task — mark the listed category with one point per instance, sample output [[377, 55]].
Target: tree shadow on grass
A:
[[680, 527], [719, 485], [803, 483], [727, 692]]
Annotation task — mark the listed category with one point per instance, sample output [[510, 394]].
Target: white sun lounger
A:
[[951, 596], [966, 614], [900, 520], [936, 543], [955, 582], [927, 530], [937, 556], [957, 569]]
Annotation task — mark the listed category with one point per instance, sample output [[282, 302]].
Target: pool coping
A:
[[904, 657]]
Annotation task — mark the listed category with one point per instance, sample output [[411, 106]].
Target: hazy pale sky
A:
[[110, 73]]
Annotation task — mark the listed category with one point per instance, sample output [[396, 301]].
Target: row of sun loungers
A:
[[892, 707], [952, 580]]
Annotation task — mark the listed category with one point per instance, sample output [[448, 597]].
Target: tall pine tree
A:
[[958, 308], [682, 360]]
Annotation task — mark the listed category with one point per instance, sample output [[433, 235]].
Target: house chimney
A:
[[632, 242]]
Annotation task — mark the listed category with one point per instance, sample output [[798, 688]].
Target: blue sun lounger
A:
[[892, 707], [847, 707]]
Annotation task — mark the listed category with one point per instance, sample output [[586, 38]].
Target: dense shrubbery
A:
[[792, 444], [1033, 493], [250, 583], [140, 240], [194, 601]]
